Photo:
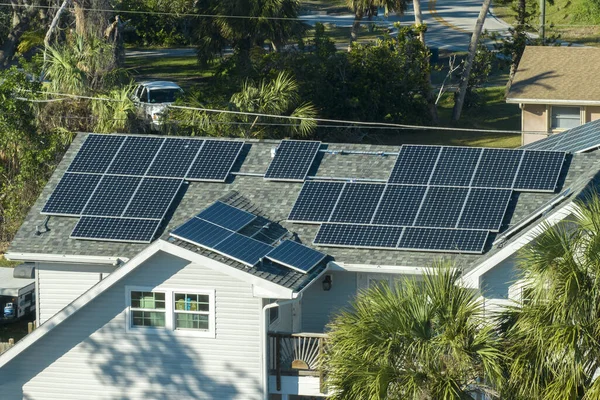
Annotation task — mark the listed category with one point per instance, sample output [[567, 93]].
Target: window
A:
[[182, 312], [164, 95], [565, 117]]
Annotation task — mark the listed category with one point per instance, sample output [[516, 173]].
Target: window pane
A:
[[148, 300], [191, 302], [191, 321], [565, 117], [148, 318]]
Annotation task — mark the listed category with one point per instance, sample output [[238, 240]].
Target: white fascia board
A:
[[79, 302], [278, 291], [514, 100], [471, 279], [64, 258], [376, 268]]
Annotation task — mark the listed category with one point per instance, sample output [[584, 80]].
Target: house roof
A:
[[9, 285], [276, 200], [557, 75]]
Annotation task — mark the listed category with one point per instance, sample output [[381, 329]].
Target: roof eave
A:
[[64, 258], [517, 100]]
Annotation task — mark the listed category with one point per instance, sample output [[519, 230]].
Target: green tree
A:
[[553, 340], [362, 8], [415, 341]]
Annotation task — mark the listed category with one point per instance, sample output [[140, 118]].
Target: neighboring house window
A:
[[565, 117], [183, 312]]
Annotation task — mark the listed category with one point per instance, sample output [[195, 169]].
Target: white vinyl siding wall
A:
[[92, 356], [60, 284]]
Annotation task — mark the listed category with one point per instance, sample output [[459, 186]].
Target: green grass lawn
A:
[[183, 70]]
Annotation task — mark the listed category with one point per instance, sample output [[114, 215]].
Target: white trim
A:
[[64, 258], [515, 100], [129, 327], [384, 269]]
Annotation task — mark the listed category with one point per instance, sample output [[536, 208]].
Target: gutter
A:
[[65, 258], [514, 100]]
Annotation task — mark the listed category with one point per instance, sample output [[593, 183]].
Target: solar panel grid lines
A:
[[292, 161], [485, 209], [175, 158], [135, 155], [414, 164], [359, 236], [115, 229], [539, 171], [444, 240], [548, 143], [243, 249], [497, 168], [202, 233], [456, 166], [111, 195], [153, 197], [316, 201], [71, 194], [296, 256], [441, 206], [96, 153], [227, 216], [357, 203], [579, 139], [215, 160], [399, 205]]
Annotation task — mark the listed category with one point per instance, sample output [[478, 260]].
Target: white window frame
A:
[[552, 109], [170, 314]]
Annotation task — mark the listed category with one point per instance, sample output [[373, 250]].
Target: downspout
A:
[[264, 341]]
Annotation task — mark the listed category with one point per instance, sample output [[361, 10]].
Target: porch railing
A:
[[296, 354]]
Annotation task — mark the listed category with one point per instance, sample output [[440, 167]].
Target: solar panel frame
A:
[[107, 200], [135, 155], [96, 153], [130, 230], [77, 188], [153, 201], [399, 205], [441, 207], [456, 166], [416, 238], [165, 165], [201, 233], [300, 153], [492, 170], [539, 171], [371, 237], [208, 166], [226, 216], [296, 256], [315, 202], [409, 166], [485, 209], [357, 203], [243, 249]]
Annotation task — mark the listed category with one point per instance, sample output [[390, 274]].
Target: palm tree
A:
[[360, 8], [417, 340], [554, 339]]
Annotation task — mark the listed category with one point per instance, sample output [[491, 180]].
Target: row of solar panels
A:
[[217, 229], [579, 139]]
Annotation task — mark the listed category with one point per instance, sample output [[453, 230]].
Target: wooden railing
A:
[[296, 354]]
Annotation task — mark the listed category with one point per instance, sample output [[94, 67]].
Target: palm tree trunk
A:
[[419, 18], [358, 15], [80, 6], [519, 39], [464, 81], [20, 23]]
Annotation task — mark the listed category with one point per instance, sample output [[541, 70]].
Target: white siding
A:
[[91, 356], [494, 283], [60, 284], [318, 306]]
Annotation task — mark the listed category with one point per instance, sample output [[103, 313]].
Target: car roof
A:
[[160, 85]]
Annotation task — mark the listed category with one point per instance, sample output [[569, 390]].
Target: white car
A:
[[153, 98]]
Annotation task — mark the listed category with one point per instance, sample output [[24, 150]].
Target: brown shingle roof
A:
[[557, 74]]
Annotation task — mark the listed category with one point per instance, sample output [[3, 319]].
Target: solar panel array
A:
[[292, 161], [123, 186], [436, 199], [575, 140], [217, 229]]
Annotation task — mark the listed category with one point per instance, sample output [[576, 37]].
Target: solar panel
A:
[[456, 166], [215, 160], [414, 165], [548, 143], [292, 160], [135, 155], [96, 153], [497, 168], [316, 201], [175, 157], [112, 195], [153, 198], [71, 194], [115, 229], [442, 206], [228, 217], [575, 140], [243, 249], [357, 203], [365, 236], [399, 205], [539, 171], [296, 256], [200, 232], [485, 209], [445, 240]]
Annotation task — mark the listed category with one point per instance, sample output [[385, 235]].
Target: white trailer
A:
[[17, 295]]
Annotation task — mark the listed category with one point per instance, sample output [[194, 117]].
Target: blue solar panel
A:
[[215, 160], [227, 216], [539, 171], [112, 195], [442, 206], [202, 233], [296, 256], [357, 203], [175, 157], [243, 249], [96, 153], [135, 155], [292, 160], [153, 198], [414, 165], [485, 209], [446, 240], [366, 236], [116, 229], [316, 201], [71, 194], [399, 205], [497, 168], [581, 138], [456, 166]]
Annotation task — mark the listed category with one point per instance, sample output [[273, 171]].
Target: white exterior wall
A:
[[494, 283], [92, 356], [60, 284]]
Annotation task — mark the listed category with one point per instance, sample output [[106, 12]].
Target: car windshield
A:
[[163, 95]]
